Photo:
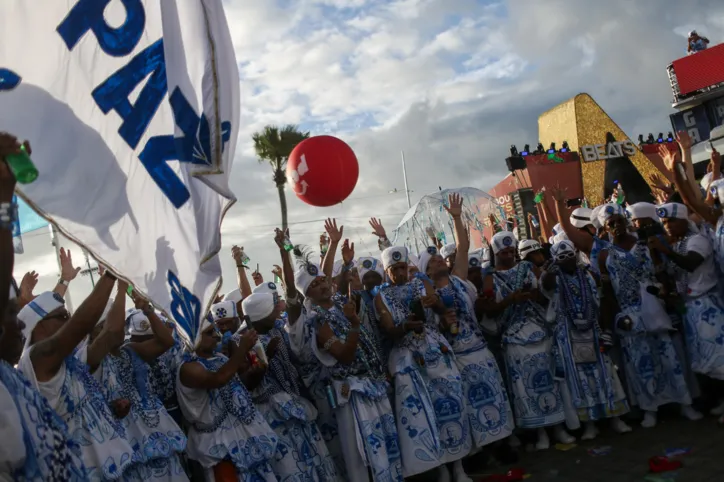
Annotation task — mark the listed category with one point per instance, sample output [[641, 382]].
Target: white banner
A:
[[132, 107]]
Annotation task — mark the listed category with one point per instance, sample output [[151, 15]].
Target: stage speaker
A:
[[515, 163]]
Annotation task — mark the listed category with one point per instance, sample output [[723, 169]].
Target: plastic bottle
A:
[[22, 167], [244, 258], [534, 222], [288, 246]]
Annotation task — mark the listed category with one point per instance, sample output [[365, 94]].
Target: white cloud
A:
[[451, 82]]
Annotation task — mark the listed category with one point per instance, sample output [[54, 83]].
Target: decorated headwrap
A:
[[425, 257], [643, 210], [581, 217], [717, 189], [223, 310], [307, 270], [268, 287], [527, 246], [563, 250], [339, 266], [137, 323], [394, 255], [608, 210], [475, 259], [672, 210], [448, 250], [562, 236], [502, 240], [36, 310], [258, 306], [367, 264], [234, 296], [594, 217]]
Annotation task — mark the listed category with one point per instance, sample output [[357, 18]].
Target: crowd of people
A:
[[373, 368]]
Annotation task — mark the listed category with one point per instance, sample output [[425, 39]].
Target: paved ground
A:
[[628, 460]]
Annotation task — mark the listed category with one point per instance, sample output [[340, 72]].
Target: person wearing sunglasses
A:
[[595, 389]]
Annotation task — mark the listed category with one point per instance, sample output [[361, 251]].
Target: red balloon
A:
[[323, 171]]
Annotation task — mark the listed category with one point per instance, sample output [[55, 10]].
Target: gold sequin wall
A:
[[582, 122]]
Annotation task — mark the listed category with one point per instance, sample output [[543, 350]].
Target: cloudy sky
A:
[[451, 82]]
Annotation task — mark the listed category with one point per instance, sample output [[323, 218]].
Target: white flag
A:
[[117, 133]]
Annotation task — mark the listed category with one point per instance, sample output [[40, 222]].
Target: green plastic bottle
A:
[[22, 167]]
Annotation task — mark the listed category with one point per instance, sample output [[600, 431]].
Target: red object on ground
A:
[[700, 70], [323, 171], [663, 464], [513, 475]]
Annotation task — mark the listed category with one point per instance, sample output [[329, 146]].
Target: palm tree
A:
[[274, 145]]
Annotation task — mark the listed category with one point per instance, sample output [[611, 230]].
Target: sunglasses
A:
[[565, 256]]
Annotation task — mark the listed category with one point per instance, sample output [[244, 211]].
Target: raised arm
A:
[[162, 340], [582, 241], [379, 231], [113, 332], [455, 210], [241, 279], [67, 272], [684, 140], [48, 355], [335, 236]]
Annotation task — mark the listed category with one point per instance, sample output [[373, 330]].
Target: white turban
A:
[[642, 210], [673, 210], [224, 309], [502, 240], [448, 250], [38, 309], [562, 236], [557, 229], [258, 306], [705, 182], [234, 296], [475, 259], [268, 287], [581, 217], [608, 210], [393, 255], [305, 275], [138, 323], [594, 217], [425, 257], [367, 264], [563, 250], [717, 189], [527, 246]]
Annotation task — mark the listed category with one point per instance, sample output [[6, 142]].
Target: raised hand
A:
[[67, 271], [347, 252], [277, 271], [335, 233], [668, 156], [715, 158], [455, 208], [248, 340], [377, 228], [558, 193], [684, 140], [658, 182], [280, 237], [236, 253], [27, 285]]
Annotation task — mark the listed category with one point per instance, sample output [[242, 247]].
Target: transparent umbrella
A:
[[429, 215]]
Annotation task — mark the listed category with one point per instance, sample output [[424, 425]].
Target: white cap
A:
[[258, 306]]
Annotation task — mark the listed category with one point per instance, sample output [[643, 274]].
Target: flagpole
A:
[[56, 245], [404, 177]]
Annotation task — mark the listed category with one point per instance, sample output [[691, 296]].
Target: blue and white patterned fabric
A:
[[595, 389], [77, 398], [654, 372], [527, 347], [301, 453], [716, 236], [360, 393], [486, 400], [36, 445], [157, 440], [429, 399], [704, 317], [225, 425]]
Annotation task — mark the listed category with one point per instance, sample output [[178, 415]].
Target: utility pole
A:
[[404, 177]]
